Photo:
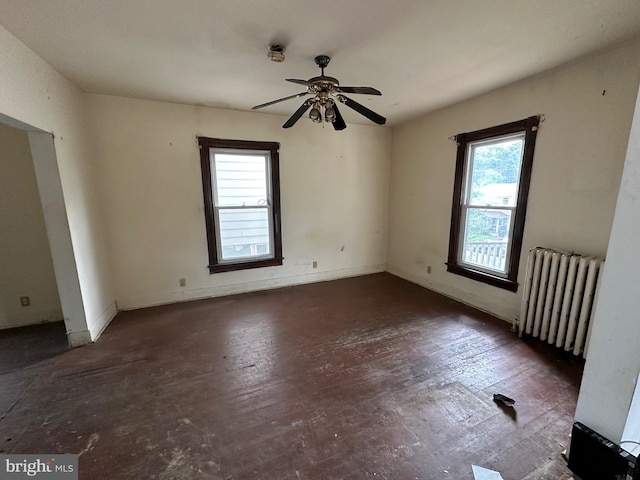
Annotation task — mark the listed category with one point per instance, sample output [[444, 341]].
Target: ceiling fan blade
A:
[[362, 90], [297, 114], [279, 100], [361, 109], [338, 123], [299, 82]]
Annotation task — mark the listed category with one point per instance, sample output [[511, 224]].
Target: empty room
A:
[[295, 240]]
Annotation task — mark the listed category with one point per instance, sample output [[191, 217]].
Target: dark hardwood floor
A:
[[368, 377]]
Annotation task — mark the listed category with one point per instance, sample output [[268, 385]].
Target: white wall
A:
[[35, 94], [334, 192], [27, 267], [576, 171], [612, 367]]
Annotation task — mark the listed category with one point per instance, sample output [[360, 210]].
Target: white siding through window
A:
[[242, 204]]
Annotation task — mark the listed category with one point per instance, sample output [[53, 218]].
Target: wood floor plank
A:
[[367, 377]]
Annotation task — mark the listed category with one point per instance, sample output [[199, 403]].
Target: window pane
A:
[[241, 180], [244, 233], [486, 238], [495, 171]]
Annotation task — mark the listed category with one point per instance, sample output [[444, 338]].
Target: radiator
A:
[[559, 297]]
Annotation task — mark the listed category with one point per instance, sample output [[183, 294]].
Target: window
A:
[[240, 182], [493, 170]]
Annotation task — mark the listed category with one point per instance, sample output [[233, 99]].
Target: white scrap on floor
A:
[[480, 473]]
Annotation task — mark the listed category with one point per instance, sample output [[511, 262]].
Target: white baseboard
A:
[[162, 298], [457, 294], [97, 326], [30, 317]]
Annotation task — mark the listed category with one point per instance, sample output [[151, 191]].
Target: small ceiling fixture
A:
[[276, 53], [327, 93]]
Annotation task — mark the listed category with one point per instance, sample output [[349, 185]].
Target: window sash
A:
[[251, 257], [263, 154], [217, 208], [471, 162], [469, 204], [504, 272]]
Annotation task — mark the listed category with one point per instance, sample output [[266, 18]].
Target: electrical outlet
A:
[[182, 282], [25, 301], [315, 264], [429, 269]]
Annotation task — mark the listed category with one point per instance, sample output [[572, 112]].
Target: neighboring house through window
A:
[[493, 172], [241, 187]]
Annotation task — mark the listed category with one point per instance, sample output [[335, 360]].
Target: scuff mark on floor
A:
[[13, 405], [181, 466], [93, 439]]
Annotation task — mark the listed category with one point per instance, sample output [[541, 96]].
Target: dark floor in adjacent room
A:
[[367, 377]]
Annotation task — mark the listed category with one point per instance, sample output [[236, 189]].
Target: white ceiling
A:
[[422, 54]]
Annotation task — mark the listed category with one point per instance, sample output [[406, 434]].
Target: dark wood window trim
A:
[[215, 266], [510, 282]]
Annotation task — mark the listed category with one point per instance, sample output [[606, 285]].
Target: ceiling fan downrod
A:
[[322, 61]]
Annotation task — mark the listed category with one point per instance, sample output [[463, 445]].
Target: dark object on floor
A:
[[498, 397], [593, 457]]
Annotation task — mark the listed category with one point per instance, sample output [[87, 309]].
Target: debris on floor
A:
[[480, 473], [498, 397]]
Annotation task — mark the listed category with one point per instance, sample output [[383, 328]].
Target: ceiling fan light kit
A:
[[326, 92]]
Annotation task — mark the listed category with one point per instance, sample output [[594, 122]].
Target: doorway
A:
[[39, 279], [28, 289]]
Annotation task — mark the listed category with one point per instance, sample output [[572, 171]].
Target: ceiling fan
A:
[[327, 93]]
